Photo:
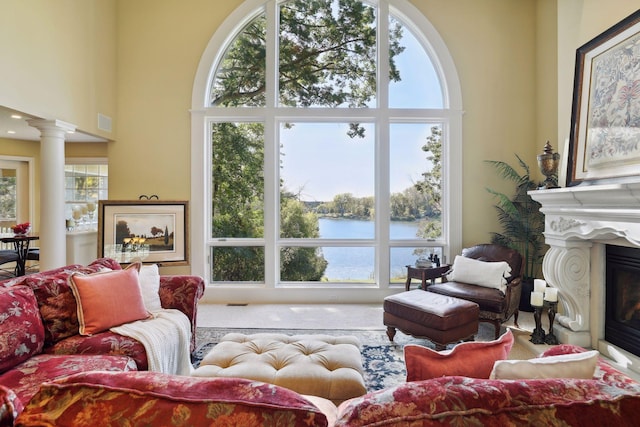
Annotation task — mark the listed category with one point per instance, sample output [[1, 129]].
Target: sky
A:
[[320, 160]]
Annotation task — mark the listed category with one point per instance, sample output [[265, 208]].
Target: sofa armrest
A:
[[182, 292], [10, 407]]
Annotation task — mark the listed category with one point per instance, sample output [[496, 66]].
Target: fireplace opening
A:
[[622, 318]]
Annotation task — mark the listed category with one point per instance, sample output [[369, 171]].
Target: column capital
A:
[[52, 126]]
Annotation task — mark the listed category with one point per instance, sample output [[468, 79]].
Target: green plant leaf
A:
[[519, 216]]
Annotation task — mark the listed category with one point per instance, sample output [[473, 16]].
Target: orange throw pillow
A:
[[107, 299], [468, 359]]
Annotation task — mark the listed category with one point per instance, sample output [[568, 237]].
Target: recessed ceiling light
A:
[[16, 116], [11, 132]]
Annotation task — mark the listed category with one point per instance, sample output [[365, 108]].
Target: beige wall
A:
[[58, 59], [492, 44], [514, 59], [579, 21]]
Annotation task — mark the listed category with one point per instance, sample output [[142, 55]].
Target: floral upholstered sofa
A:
[[608, 398], [39, 332]]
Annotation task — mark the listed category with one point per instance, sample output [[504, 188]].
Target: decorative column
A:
[[566, 266], [52, 231]]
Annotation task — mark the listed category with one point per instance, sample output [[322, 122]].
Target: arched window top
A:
[[327, 54], [319, 100]]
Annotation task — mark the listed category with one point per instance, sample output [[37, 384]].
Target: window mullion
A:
[[271, 70], [382, 150], [383, 55], [271, 155]]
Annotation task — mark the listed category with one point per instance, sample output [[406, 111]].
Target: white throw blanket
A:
[[167, 339]]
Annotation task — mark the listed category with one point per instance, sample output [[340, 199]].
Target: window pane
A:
[[239, 79], [302, 264], [415, 181], [327, 54], [330, 174], [238, 182], [234, 264], [414, 82], [8, 187], [327, 264], [315, 214], [85, 184], [401, 257]]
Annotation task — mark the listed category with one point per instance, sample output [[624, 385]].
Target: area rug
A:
[[382, 360]]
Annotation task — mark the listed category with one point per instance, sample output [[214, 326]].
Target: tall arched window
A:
[[326, 147]]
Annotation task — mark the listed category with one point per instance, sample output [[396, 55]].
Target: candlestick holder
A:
[[551, 338], [538, 335]]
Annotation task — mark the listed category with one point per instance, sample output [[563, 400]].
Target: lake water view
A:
[[357, 263]]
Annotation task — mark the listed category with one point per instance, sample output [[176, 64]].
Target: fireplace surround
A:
[[622, 314], [580, 222]]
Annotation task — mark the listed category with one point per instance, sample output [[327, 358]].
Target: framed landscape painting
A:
[[604, 143], [153, 231]]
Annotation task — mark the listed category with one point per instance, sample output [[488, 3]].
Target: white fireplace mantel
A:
[[579, 223]]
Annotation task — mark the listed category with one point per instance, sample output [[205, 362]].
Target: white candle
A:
[[537, 299], [539, 285], [551, 294]]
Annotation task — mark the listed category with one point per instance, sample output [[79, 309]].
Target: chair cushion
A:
[[425, 308], [487, 298], [107, 343]]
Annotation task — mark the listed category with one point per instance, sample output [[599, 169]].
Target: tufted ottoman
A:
[[318, 365], [438, 318]]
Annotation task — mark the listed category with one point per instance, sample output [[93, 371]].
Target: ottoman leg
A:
[[391, 332]]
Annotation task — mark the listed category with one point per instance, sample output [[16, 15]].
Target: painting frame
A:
[[604, 144], [152, 231]]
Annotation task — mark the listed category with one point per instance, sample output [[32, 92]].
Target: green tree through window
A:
[[328, 60]]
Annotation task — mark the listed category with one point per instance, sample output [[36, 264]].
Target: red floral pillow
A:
[[56, 302], [151, 398], [467, 359], [21, 329]]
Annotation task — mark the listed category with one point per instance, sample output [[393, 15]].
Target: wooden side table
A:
[[424, 274]]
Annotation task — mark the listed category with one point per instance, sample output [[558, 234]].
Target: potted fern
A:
[[522, 223]]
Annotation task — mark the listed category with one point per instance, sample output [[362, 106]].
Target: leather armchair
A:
[[495, 307]]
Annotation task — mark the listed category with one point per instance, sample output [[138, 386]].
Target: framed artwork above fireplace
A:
[[604, 143]]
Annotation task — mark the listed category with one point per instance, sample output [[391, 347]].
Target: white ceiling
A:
[[22, 130]]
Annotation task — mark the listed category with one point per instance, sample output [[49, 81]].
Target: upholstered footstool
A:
[[440, 319], [317, 365]]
